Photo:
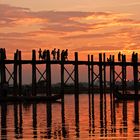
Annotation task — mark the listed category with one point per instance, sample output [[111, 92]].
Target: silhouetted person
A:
[[17, 54], [58, 54], [45, 54], [66, 54], [62, 55], [54, 53], [40, 53], [133, 56], [119, 56], [108, 59]]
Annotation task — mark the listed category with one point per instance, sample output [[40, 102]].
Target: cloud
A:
[[66, 28], [108, 48], [89, 36], [55, 21], [135, 34], [14, 35], [96, 48], [75, 30], [58, 21], [9, 14]]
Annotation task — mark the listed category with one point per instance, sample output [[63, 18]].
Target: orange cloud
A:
[[30, 21], [78, 31]]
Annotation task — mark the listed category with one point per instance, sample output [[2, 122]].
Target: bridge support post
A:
[[89, 72], [33, 72], [76, 74], [62, 73], [123, 73], [48, 73], [20, 74]]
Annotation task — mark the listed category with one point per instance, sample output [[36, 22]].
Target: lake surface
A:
[[83, 118]]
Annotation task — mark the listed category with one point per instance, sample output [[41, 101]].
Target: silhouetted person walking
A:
[[119, 56], [66, 54], [45, 54], [54, 53], [40, 54], [62, 55]]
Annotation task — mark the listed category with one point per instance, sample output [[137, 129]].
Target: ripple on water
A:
[[67, 121]]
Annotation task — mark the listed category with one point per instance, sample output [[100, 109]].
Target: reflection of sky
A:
[[32, 120], [85, 26]]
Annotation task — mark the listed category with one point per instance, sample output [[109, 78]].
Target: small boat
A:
[[30, 98], [126, 96]]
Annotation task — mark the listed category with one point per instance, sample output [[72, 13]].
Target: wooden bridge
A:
[[16, 74]]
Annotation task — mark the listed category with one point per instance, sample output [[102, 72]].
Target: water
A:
[[89, 120]]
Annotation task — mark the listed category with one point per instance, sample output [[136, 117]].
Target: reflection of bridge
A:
[[7, 75], [65, 120]]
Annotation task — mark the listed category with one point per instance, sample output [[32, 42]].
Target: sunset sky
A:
[[86, 26]]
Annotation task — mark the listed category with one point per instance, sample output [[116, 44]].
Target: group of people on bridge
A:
[[133, 59], [55, 54]]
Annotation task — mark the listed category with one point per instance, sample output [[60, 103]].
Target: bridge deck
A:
[[68, 62]]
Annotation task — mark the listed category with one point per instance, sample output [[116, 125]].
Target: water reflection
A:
[[34, 118], [136, 118], [64, 131], [76, 117], [136, 110], [3, 121], [124, 117], [16, 120], [91, 114], [49, 120]]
